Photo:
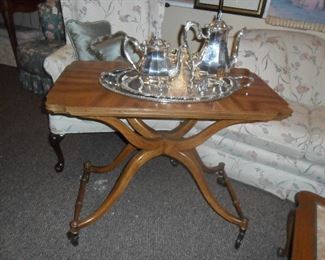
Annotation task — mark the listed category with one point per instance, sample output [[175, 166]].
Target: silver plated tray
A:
[[177, 90]]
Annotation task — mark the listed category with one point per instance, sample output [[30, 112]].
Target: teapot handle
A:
[[136, 44], [196, 27]]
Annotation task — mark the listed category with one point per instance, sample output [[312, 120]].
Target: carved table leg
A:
[[223, 180], [118, 189], [226, 182], [73, 234], [194, 168], [284, 252], [55, 143]]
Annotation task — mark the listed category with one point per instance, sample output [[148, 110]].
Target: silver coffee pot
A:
[[213, 57], [155, 57]]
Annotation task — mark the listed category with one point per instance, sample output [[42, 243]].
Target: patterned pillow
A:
[[110, 47], [81, 34]]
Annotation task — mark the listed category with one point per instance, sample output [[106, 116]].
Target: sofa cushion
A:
[[138, 18], [315, 151], [82, 33], [288, 137], [261, 156], [61, 125]]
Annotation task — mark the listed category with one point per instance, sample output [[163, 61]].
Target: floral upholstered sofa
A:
[[31, 54], [280, 157]]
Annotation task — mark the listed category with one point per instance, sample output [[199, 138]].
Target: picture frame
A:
[[180, 3], [254, 8], [297, 14]]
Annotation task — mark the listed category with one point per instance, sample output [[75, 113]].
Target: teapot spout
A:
[[235, 46]]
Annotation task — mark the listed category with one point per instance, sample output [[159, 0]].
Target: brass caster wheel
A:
[[59, 167], [221, 180], [74, 238], [240, 238]]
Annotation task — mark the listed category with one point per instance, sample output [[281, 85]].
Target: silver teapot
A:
[[213, 57], [155, 58]]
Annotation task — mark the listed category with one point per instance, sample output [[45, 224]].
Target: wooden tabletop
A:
[[78, 92]]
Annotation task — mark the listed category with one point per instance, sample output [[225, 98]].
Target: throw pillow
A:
[[82, 33], [110, 47]]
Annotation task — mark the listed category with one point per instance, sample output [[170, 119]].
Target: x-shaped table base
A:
[[148, 144]]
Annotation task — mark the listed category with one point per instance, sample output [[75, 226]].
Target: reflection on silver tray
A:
[[178, 90]]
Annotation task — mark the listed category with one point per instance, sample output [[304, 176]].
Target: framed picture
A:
[[247, 7], [181, 3], [298, 14]]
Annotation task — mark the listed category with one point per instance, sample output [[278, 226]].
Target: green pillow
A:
[[110, 47], [82, 33]]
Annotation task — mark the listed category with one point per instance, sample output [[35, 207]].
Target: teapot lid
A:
[[157, 43], [218, 25]]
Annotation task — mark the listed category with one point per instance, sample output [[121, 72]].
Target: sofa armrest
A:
[[55, 63]]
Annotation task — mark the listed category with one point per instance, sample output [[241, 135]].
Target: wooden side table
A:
[[78, 93]]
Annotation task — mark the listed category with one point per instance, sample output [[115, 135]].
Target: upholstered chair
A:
[[137, 18], [31, 54]]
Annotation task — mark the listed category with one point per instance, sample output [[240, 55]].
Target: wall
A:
[[177, 16]]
